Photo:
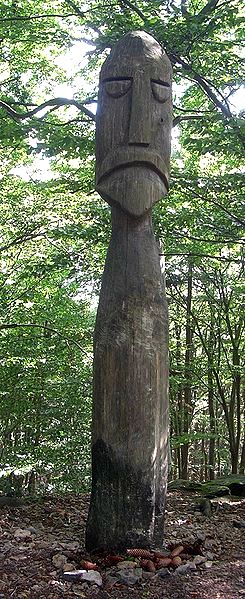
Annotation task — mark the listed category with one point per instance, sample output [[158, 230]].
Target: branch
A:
[[21, 239], [46, 328], [78, 12], [81, 14], [209, 7], [135, 9], [184, 10], [197, 111], [208, 240], [187, 117], [89, 100], [84, 40], [57, 102], [30, 17], [203, 84], [65, 124], [240, 221], [194, 255]]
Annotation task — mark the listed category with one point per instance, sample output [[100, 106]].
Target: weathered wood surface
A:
[[129, 452], [133, 127], [130, 403]]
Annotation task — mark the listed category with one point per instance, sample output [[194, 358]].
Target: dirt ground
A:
[[36, 536]]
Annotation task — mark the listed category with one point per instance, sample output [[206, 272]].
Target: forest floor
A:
[[41, 539]]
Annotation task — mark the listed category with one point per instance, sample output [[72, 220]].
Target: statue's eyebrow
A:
[[163, 83], [109, 79]]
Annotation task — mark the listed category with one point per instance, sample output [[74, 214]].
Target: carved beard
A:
[[134, 178]]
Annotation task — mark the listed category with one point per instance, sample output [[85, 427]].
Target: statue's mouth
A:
[[125, 157]]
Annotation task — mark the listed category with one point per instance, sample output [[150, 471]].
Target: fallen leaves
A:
[[37, 550]]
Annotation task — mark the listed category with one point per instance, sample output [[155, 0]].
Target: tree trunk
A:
[[130, 422], [242, 461], [187, 388], [211, 406]]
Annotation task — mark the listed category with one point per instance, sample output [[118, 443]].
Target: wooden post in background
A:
[[130, 397]]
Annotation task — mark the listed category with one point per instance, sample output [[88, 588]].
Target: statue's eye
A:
[[117, 87], [160, 90]]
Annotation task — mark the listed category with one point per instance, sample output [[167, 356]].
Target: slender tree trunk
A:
[[201, 477], [242, 461], [211, 406], [178, 430], [176, 463], [188, 386], [234, 420], [234, 462], [205, 462], [178, 404], [237, 395]]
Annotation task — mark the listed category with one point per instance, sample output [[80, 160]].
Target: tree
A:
[[55, 230]]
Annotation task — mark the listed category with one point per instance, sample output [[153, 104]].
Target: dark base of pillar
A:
[[124, 510]]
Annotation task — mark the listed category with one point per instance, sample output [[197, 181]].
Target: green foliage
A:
[[54, 230]]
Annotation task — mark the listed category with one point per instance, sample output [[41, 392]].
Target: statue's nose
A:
[[140, 115]]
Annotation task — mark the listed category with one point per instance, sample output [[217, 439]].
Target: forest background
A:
[[54, 232]]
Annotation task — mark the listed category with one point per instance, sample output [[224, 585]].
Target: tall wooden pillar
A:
[[130, 397]]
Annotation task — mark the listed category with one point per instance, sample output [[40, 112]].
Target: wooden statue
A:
[[130, 405]]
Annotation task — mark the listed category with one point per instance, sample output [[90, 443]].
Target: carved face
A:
[[134, 119]]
